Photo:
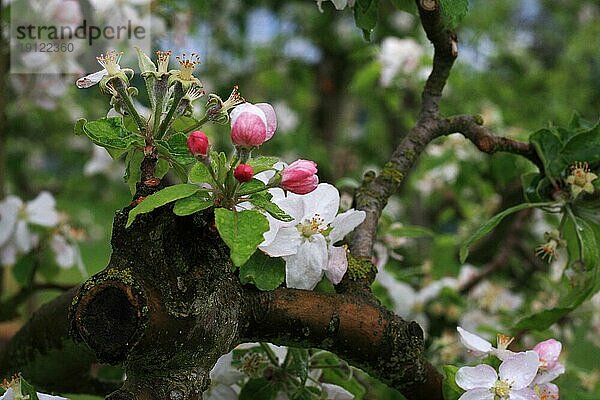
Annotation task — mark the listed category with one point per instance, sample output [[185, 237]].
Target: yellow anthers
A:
[[110, 61], [580, 179], [162, 57], [358, 268], [253, 364], [13, 381], [187, 66], [502, 389], [312, 226], [548, 250], [234, 99], [503, 341]]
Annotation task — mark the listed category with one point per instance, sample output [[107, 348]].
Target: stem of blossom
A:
[[160, 91], [139, 121], [270, 354], [166, 122]]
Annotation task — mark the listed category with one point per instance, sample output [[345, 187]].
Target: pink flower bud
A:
[[300, 177], [197, 143], [548, 350], [252, 125], [243, 173]]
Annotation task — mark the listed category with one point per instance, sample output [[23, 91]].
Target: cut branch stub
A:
[[166, 306]]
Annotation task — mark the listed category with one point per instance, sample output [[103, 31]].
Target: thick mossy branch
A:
[[362, 332], [44, 349]]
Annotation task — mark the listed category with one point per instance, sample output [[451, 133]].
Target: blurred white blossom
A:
[[398, 56]]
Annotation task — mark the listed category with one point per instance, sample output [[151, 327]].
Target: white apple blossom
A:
[[339, 4], [15, 219], [480, 347], [307, 242], [408, 302], [511, 383], [398, 55], [110, 67], [12, 394]]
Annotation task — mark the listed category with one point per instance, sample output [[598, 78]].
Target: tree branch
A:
[[485, 140], [361, 332]]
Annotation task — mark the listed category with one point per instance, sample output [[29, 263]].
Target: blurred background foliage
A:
[[341, 103]]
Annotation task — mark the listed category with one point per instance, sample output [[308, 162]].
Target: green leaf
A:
[[78, 128], [111, 134], [405, 5], [342, 375], [542, 320], [27, 390], [264, 272], [262, 201], [411, 231], [23, 269], [260, 388], [133, 173], [296, 363], [183, 124], [162, 167], [307, 393], [219, 164], [192, 204], [365, 16], [454, 11], [161, 198], [493, 222], [260, 164], [241, 231], [450, 389], [176, 149], [200, 174], [548, 146], [250, 187]]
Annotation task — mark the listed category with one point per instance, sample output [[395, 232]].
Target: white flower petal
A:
[[286, 242], [280, 352], [223, 372], [249, 108], [481, 376], [271, 118], [520, 369], [345, 223], [24, 239], [65, 253], [304, 269], [474, 342], [337, 265], [44, 396], [402, 294], [91, 79], [550, 374], [8, 253], [335, 392], [523, 394], [40, 211], [220, 392], [477, 394], [9, 210], [324, 200]]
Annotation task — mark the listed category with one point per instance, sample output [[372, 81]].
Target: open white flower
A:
[[515, 375], [110, 67], [15, 218], [307, 242], [398, 55], [12, 394], [481, 347]]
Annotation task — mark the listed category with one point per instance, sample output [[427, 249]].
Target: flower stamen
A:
[[187, 65], [110, 61]]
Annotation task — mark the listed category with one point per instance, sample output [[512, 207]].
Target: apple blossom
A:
[[14, 393], [243, 173], [547, 391], [300, 177], [307, 242], [550, 367], [478, 346], [15, 218], [581, 179], [110, 65], [197, 143], [398, 55], [186, 68], [252, 124], [511, 383]]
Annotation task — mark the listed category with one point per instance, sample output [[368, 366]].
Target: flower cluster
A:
[[16, 390], [22, 223], [524, 375], [307, 242]]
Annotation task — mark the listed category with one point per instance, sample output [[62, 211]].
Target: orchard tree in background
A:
[[245, 276]]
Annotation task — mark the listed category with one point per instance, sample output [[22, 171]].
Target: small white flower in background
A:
[[102, 163], [496, 297], [287, 119], [339, 4], [481, 347], [307, 242], [398, 55], [515, 375], [14, 393], [15, 219], [409, 303]]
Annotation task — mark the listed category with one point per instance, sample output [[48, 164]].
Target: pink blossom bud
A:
[[548, 350], [243, 173], [300, 177], [197, 143], [252, 125]]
